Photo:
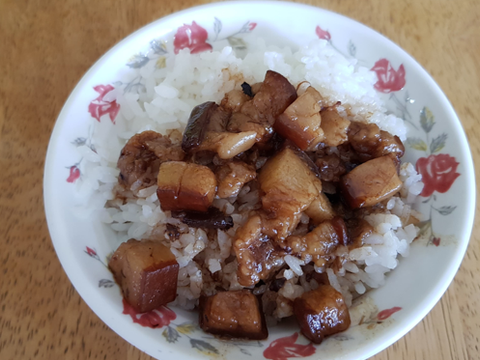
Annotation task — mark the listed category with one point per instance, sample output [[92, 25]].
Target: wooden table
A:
[[46, 47]]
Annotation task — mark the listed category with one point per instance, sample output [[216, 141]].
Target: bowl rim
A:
[[380, 342]]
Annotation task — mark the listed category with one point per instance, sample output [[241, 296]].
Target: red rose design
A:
[[284, 348], [252, 26], [438, 173], [436, 241], [193, 37], [322, 34], [74, 174], [91, 252], [389, 80], [99, 107], [385, 314], [153, 319]]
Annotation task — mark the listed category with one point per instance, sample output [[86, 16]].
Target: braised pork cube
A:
[[233, 314], [334, 126], [300, 122], [141, 157], [258, 114], [321, 313], [227, 144], [319, 243], [289, 187], [370, 142], [371, 182], [257, 255], [185, 186], [147, 273], [320, 210], [232, 176]]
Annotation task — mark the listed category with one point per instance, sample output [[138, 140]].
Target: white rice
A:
[[169, 95]]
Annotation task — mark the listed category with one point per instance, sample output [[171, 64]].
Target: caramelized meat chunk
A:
[[300, 122], [232, 176], [197, 125], [330, 168], [371, 182], [320, 210], [320, 242], [185, 186], [141, 157], [226, 144], [370, 142], [321, 312], [274, 95], [233, 314], [358, 230], [258, 256], [289, 187], [147, 273], [334, 126], [218, 120]]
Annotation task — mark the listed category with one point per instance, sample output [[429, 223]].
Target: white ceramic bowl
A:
[[437, 144]]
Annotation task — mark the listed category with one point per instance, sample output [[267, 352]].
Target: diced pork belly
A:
[[321, 313], [300, 122], [334, 126], [141, 157], [185, 186], [257, 255], [371, 182], [227, 144], [147, 273], [258, 114], [370, 142], [232, 176], [320, 210], [233, 314], [320, 243], [289, 187]]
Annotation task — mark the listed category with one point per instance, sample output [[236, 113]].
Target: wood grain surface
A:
[[46, 47]]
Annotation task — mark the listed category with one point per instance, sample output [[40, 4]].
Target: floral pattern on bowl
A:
[[442, 167]]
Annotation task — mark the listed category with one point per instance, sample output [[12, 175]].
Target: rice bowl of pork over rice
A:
[[236, 189]]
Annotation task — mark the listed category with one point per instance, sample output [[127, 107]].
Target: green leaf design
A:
[[217, 26], [438, 143], [417, 144], [137, 61], [106, 283], [187, 328], [352, 49], [445, 210], [158, 47], [170, 334], [203, 346], [237, 43], [245, 351], [427, 119]]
